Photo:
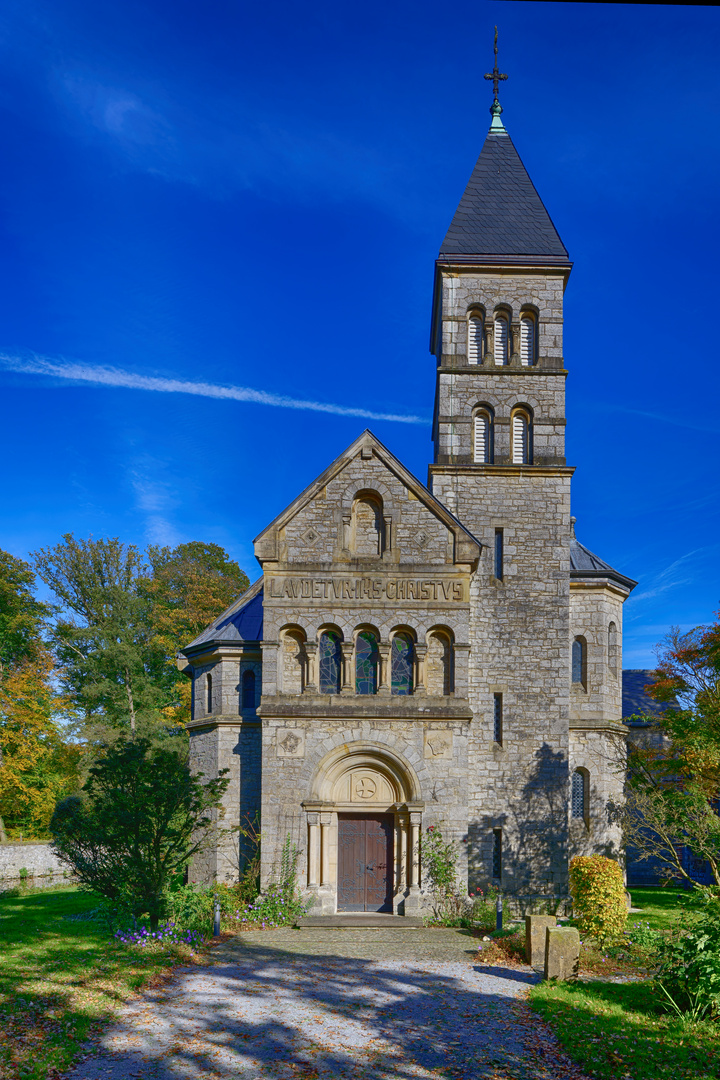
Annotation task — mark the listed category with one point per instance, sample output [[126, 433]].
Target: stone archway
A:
[[362, 791]]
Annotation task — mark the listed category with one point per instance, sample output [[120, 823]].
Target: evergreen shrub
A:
[[598, 892]]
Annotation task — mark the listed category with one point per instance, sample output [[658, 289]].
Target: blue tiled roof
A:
[[242, 621], [635, 701]]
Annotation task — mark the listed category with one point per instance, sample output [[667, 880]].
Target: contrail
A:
[[110, 376]]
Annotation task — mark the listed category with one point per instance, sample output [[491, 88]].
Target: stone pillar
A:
[[562, 953], [488, 354], [420, 653], [311, 674], [313, 850], [325, 823], [514, 343], [415, 819], [348, 653], [535, 927], [402, 874], [383, 669]]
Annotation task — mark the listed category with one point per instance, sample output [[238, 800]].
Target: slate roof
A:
[[242, 621], [583, 563], [501, 213], [635, 702]]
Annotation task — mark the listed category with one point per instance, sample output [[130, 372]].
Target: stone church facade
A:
[[445, 655]]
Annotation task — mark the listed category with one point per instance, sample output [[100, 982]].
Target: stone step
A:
[[361, 920]]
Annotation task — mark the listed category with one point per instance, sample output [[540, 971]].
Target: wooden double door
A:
[[365, 862]]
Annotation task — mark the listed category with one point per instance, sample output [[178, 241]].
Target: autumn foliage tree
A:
[[37, 764], [674, 777]]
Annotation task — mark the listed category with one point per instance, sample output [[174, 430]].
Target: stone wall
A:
[[593, 607], [40, 861]]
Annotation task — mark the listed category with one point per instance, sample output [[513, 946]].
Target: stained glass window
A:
[[578, 802], [330, 655], [366, 661], [578, 661], [248, 690], [401, 665]]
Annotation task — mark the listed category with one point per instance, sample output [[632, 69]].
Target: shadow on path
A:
[[264, 1011]]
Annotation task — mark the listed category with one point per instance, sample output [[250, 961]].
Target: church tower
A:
[[499, 465]]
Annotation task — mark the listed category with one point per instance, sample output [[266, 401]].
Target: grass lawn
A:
[[614, 1030], [59, 978]]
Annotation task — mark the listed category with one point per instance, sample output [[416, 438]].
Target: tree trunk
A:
[[131, 704], [3, 834]]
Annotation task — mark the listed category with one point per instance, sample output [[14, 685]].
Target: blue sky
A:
[[201, 196]]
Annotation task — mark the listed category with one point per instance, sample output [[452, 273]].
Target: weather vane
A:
[[496, 76]]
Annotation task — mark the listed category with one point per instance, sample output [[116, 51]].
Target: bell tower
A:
[[499, 466]]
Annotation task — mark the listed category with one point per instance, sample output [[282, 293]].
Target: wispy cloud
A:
[[671, 577], [128, 380]]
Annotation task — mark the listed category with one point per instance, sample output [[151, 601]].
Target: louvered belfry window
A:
[[520, 439], [475, 334], [481, 439], [527, 341], [501, 340]]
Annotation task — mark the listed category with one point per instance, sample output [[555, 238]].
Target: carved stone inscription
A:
[[366, 588]]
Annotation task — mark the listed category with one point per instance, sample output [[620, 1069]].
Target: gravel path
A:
[[371, 1005]]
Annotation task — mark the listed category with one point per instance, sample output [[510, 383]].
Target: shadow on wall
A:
[[534, 834]]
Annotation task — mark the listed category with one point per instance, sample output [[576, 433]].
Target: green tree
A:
[[674, 774], [141, 817], [186, 588], [101, 634], [23, 618]]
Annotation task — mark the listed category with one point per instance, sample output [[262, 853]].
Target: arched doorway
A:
[[364, 819]]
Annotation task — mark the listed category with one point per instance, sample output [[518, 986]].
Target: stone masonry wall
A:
[[39, 860], [290, 770], [519, 634], [602, 754], [592, 608]]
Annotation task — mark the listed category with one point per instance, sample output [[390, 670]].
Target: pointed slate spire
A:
[[501, 217], [501, 213]]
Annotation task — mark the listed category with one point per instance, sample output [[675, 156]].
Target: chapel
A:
[[444, 655]]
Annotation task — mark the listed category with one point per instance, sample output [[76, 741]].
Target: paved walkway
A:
[[311, 1004]]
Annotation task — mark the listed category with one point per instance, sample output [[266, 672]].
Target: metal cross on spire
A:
[[495, 75], [496, 108]]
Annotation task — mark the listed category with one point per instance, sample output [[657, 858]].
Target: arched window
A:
[[482, 438], [330, 661], [521, 434], [439, 664], [527, 341], [579, 795], [402, 658], [475, 337], [579, 662], [366, 662], [500, 340], [293, 662], [209, 694], [612, 648], [368, 526], [248, 690]]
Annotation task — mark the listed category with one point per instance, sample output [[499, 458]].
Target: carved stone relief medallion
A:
[[365, 788], [290, 742], [438, 744]]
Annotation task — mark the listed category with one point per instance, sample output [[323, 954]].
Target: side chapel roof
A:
[[500, 216], [585, 564], [242, 621]]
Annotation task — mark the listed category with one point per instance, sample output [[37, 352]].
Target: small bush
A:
[[689, 974], [598, 892]]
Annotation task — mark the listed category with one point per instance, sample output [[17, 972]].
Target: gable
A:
[[366, 509]]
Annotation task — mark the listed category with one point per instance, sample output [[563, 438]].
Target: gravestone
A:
[[535, 926], [562, 953]]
